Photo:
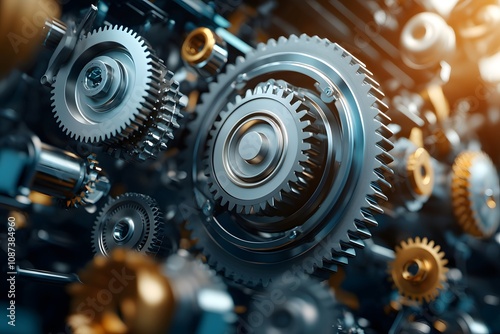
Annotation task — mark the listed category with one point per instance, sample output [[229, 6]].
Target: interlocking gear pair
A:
[[114, 90], [286, 176], [299, 163]]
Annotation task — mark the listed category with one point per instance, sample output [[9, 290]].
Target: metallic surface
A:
[[205, 51], [118, 109], [348, 102], [132, 221], [262, 152], [304, 307]]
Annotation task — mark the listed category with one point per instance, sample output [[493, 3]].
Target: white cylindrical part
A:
[[426, 40]]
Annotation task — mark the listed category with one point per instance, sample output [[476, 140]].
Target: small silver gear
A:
[[115, 91], [263, 151], [131, 221]]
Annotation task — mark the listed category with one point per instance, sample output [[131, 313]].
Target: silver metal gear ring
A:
[[114, 90], [131, 221], [261, 156], [325, 230]]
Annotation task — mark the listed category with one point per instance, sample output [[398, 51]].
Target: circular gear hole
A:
[[414, 270], [123, 230]]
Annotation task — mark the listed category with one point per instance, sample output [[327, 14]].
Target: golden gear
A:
[[475, 195], [418, 270], [420, 172], [125, 293]]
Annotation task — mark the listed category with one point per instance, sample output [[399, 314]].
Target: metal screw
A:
[[93, 77], [328, 91], [207, 209]]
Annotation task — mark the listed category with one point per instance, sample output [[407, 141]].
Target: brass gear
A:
[[475, 193], [419, 269], [129, 294]]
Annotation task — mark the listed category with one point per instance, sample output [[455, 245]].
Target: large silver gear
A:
[[132, 221], [262, 161], [114, 90], [325, 230]]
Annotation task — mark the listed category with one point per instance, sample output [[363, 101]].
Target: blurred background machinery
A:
[[259, 166]]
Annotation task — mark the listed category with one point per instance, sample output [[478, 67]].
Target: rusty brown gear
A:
[[475, 193], [419, 269], [125, 293]]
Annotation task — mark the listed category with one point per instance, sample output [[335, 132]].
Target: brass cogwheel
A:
[[125, 293], [475, 193], [419, 269]]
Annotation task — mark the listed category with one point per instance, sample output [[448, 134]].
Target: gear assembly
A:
[[250, 166]]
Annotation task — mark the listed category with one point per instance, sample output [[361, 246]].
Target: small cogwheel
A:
[[263, 152], [419, 269], [132, 221]]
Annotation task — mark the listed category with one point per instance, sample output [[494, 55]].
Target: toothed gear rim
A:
[[114, 90], [425, 254], [261, 154], [336, 215], [131, 221], [476, 193], [288, 317]]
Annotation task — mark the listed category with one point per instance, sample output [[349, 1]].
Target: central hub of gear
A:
[[260, 154], [250, 157], [253, 147]]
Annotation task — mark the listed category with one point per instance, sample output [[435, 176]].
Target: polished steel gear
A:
[[263, 152], [475, 191], [131, 293], [132, 221], [114, 90], [338, 205], [288, 315], [419, 269]]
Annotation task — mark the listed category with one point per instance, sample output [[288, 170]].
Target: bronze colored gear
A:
[[125, 293], [420, 172], [475, 194], [198, 45], [419, 269]]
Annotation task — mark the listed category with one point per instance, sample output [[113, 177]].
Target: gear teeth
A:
[[464, 198], [427, 287], [304, 169], [125, 140], [152, 241]]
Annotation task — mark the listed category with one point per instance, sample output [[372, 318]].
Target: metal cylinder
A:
[[58, 173], [53, 31], [205, 51]]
